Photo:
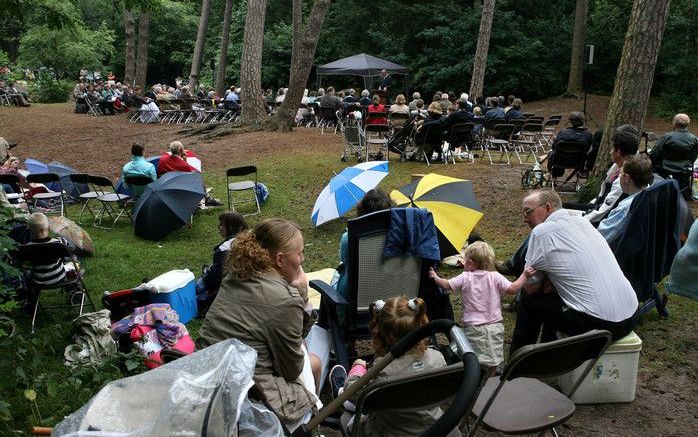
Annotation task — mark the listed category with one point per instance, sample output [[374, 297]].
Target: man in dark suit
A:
[[385, 81]]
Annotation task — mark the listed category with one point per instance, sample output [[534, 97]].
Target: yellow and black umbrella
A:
[[452, 203]]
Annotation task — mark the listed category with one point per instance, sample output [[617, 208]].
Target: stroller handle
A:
[[405, 343]]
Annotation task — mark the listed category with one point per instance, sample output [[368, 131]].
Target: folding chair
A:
[[354, 141], [457, 385], [569, 156], [39, 254], [681, 158], [114, 204], [92, 108], [518, 403], [239, 185], [528, 139], [376, 135], [328, 117], [48, 200], [499, 140], [12, 181], [460, 135], [139, 182], [85, 196], [549, 127], [371, 276], [431, 138]]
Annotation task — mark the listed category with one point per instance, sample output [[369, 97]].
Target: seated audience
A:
[[150, 113], [635, 176], [230, 224], [399, 106], [444, 102], [331, 100], [138, 166], [365, 99], [676, 151], [577, 133], [413, 103], [176, 160], [510, 100], [263, 302], [54, 271], [419, 110], [495, 113], [374, 107], [11, 167], [514, 112]]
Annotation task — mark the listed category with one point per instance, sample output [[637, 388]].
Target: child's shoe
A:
[[338, 376]]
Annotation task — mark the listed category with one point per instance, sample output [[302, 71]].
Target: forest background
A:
[[529, 49]]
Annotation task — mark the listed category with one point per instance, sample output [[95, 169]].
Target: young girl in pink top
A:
[[481, 287]]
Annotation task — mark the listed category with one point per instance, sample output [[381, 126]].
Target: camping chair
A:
[[499, 140], [518, 403], [114, 204], [568, 156], [648, 245], [457, 384], [370, 276], [32, 254], [12, 181], [50, 200], [239, 185], [460, 135], [376, 135], [85, 196]]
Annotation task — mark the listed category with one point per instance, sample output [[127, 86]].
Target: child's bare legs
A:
[[316, 367]]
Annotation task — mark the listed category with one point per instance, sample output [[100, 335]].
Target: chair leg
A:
[[36, 309]]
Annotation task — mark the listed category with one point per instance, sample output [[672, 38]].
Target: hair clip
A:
[[412, 304], [379, 304]]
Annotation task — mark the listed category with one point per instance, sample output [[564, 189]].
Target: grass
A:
[[122, 261]]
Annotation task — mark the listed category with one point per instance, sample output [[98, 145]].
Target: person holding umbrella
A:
[[176, 160]]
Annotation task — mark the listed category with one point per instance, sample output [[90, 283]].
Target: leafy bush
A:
[[46, 89]]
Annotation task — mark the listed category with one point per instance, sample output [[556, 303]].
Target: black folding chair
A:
[[518, 403], [12, 181], [568, 156], [40, 254], [49, 201]]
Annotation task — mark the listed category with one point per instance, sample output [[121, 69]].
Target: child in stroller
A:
[[392, 320]]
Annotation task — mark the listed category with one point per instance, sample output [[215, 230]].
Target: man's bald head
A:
[[681, 121]]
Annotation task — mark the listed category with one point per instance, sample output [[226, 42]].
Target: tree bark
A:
[[575, 85], [130, 40], [633, 84], [199, 46], [253, 106], [142, 55], [223, 56], [305, 40], [477, 81]]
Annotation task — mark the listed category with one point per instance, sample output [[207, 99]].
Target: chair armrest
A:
[[328, 291]]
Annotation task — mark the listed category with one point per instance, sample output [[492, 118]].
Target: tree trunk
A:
[[142, 55], [633, 84], [305, 40], [575, 85], [130, 40], [253, 106], [223, 56], [199, 46], [477, 82]]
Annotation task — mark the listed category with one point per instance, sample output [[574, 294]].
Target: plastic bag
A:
[[262, 192], [203, 394]]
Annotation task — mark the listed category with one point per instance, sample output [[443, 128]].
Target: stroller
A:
[[402, 141], [206, 394], [535, 177], [353, 135]]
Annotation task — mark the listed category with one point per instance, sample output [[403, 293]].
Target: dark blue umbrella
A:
[[167, 204]]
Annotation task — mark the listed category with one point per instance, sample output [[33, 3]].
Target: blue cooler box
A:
[[177, 288]]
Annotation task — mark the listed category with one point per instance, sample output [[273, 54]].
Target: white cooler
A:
[[612, 379]]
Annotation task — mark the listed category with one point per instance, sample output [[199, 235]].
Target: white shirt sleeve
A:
[[608, 203], [535, 255]]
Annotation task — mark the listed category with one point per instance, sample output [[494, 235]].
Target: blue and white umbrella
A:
[[346, 190]]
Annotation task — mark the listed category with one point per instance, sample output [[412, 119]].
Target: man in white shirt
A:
[[581, 286]]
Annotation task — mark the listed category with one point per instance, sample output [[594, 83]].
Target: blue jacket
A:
[[412, 232]]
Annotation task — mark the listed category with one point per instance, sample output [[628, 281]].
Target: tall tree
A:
[[142, 53], [477, 81], [130, 42], [575, 85], [635, 74], [223, 55], [305, 39], [199, 46], [253, 109]]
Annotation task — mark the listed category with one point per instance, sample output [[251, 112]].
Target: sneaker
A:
[[338, 376], [211, 201]]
